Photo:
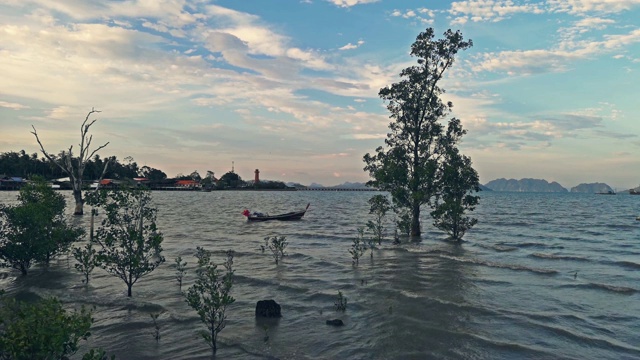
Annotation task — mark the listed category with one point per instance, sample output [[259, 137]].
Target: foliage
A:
[[358, 247], [210, 294], [40, 330], [379, 206], [458, 179], [181, 269], [72, 165], [209, 181], [152, 174], [341, 302], [410, 164], [130, 243], [85, 260], [231, 180], [276, 244], [35, 230]]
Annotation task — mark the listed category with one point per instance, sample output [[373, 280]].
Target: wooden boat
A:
[[294, 215]]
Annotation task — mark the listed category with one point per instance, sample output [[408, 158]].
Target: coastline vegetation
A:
[[35, 230]]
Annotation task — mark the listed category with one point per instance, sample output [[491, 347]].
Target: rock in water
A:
[[335, 322], [268, 308]]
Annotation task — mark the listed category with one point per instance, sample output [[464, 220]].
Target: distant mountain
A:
[[592, 188], [524, 185], [315, 185], [484, 188]]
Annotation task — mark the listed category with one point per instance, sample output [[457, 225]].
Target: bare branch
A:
[[44, 152]]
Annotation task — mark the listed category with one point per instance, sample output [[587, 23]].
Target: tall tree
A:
[[72, 165], [129, 240], [411, 163], [35, 230]]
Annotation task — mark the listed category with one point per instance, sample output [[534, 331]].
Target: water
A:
[[544, 276]]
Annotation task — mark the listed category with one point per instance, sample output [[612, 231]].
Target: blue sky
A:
[[549, 89]]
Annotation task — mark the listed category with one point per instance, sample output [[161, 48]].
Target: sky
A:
[[549, 90]]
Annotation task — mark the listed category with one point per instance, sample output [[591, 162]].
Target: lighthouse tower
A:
[[256, 180]]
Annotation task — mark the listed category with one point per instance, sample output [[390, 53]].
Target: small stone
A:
[[335, 322]]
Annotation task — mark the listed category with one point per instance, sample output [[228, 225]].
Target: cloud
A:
[[350, 3], [577, 7], [525, 62], [351, 46], [594, 23], [418, 14], [491, 11], [14, 106]]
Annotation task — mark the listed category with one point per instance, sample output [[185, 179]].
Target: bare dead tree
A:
[[74, 166]]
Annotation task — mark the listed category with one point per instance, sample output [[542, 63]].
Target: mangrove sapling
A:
[[277, 244], [379, 206], [181, 270], [85, 260], [210, 294], [156, 326], [130, 243], [341, 302], [358, 247]]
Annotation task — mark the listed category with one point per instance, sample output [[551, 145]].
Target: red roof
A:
[[187, 183]]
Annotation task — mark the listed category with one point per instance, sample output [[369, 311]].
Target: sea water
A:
[[541, 276]]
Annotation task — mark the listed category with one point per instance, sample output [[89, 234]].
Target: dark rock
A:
[[335, 322], [268, 308]]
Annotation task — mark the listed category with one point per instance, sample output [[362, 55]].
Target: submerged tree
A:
[[458, 177], [73, 165], [35, 230], [211, 294], [410, 165], [129, 240]]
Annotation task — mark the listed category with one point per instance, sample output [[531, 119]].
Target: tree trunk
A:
[[77, 196], [129, 289], [415, 220]]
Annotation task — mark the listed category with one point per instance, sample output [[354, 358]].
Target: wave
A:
[[628, 264], [613, 288], [598, 286], [502, 266], [558, 257], [534, 245]]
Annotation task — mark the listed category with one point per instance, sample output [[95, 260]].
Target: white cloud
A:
[[349, 3], [594, 23], [482, 10], [526, 62], [578, 7], [351, 46], [11, 105]]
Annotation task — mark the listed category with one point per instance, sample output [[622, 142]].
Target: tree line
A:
[[25, 165]]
